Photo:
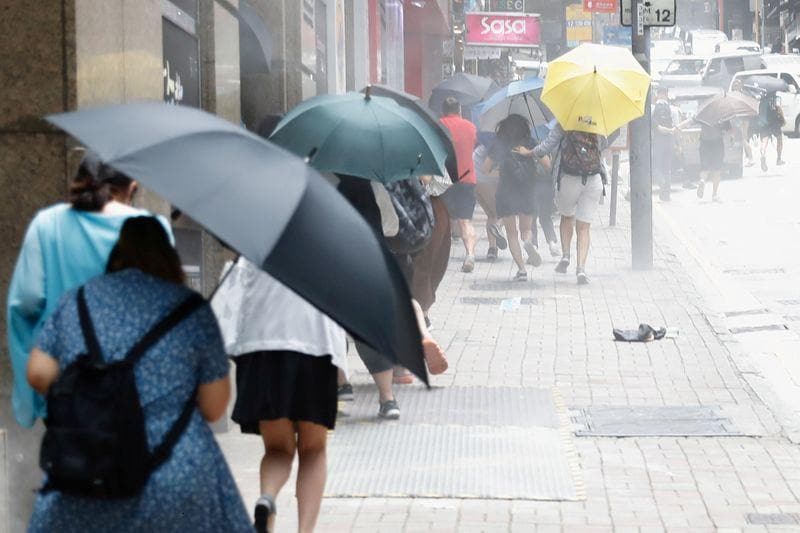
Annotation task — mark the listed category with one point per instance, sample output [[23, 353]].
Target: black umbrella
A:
[[767, 84], [415, 104], [266, 204], [468, 89]]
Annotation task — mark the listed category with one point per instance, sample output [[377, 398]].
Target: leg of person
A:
[[779, 145], [311, 473], [510, 224], [544, 205], [280, 444], [468, 237], [584, 240], [567, 197], [701, 185], [525, 226], [748, 150], [764, 143], [380, 368], [588, 203], [486, 201], [715, 178]]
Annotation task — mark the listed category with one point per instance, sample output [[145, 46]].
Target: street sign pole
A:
[[641, 176]]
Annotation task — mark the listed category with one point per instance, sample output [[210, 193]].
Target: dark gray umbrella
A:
[[415, 104], [266, 204], [767, 84], [468, 89]]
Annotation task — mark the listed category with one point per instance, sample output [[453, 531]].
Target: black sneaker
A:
[[497, 233], [265, 506], [562, 265], [491, 254], [389, 410], [345, 393]]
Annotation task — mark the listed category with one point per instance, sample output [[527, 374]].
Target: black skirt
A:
[[274, 385]]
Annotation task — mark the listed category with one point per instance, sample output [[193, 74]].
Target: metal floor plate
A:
[[678, 421], [463, 406], [458, 442]]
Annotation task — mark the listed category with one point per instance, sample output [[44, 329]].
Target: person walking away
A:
[[770, 124], [64, 246], [360, 194], [185, 372], [486, 194], [287, 354], [580, 183], [460, 197], [712, 155], [515, 192], [430, 264], [662, 145]]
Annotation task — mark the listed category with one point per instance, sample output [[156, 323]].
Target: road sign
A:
[[656, 12]]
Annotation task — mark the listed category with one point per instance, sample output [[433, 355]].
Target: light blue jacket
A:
[[63, 248]]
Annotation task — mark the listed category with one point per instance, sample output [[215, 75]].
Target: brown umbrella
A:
[[723, 108]]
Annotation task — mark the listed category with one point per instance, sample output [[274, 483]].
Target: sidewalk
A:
[[716, 459]]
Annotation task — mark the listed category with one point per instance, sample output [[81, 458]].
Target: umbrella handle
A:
[[221, 281], [530, 114], [311, 155]]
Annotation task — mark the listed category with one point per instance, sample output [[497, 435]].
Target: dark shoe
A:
[[562, 265], [583, 279], [521, 276], [497, 233], [469, 265], [265, 506], [428, 323], [764, 164], [345, 393], [389, 410], [491, 255], [533, 254], [701, 189]]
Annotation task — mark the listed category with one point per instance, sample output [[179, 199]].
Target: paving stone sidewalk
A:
[[558, 335]]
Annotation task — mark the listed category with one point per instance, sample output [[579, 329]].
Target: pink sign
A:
[[502, 29]]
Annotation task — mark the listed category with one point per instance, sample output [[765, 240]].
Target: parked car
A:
[[683, 71], [737, 46], [721, 68], [689, 100], [789, 100], [704, 42], [788, 61]]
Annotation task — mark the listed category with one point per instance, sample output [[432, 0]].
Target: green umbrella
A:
[[361, 135]]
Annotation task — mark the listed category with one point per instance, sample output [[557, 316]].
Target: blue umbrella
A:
[[519, 97]]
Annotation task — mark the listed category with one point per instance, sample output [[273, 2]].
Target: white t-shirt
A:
[[258, 313]]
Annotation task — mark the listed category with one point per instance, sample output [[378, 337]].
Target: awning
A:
[[255, 41]]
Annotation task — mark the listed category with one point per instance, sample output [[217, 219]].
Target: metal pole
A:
[[641, 177], [612, 219], [763, 23]]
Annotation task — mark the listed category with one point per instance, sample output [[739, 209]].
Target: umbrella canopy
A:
[[267, 205], [766, 84], [521, 97], [468, 89], [415, 104], [723, 108], [595, 88], [367, 136]]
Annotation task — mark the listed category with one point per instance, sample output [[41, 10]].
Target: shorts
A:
[[574, 199], [460, 200], [712, 155], [770, 131]]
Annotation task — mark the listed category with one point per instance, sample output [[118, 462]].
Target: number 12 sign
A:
[[656, 12]]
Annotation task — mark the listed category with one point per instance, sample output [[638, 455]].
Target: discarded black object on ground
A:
[[645, 333]]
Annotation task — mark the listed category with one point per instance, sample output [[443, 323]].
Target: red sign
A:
[[600, 6], [502, 29]]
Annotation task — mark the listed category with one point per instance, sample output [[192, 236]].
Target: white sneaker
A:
[[555, 249]]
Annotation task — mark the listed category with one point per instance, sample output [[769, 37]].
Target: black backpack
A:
[[414, 214], [95, 444], [581, 154]]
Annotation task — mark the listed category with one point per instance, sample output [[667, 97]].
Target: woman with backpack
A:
[[65, 245], [516, 192], [180, 380]]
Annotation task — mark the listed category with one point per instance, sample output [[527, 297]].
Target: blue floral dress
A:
[[193, 490]]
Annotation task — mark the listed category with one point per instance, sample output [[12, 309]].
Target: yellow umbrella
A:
[[595, 88]]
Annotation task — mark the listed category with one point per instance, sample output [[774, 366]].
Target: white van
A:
[[789, 101]]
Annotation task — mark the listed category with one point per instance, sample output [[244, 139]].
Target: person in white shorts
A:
[[578, 168]]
